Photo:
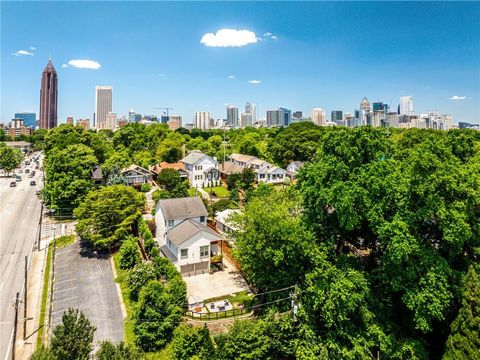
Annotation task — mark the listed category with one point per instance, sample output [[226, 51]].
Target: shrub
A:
[[129, 254], [145, 187], [139, 277]]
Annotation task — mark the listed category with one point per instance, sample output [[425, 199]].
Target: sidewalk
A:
[[25, 347]]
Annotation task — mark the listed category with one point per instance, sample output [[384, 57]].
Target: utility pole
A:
[[15, 324], [293, 297], [53, 277], [25, 301]]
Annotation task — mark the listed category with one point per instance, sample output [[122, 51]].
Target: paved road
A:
[[84, 280], [19, 217]]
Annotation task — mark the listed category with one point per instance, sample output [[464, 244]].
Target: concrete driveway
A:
[[84, 280], [221, 283]]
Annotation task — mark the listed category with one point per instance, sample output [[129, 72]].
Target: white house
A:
[[270, 174], [264, 171], [201, 168], [293, 168], [183, 234], [136, 175], [223, 221]]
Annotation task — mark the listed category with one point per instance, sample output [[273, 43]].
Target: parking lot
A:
[[84, 280]]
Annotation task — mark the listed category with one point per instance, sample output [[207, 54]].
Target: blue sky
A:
[[322, 54]]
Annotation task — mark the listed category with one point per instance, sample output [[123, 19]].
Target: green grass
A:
[[191, 192], [122, 280], [220, 191], [43, 307], [63, 241]]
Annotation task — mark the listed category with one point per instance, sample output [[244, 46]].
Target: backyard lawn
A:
[[219, 191]]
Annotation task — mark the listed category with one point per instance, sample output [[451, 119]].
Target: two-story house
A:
[[183, 234], [202, 169], [264, 171]]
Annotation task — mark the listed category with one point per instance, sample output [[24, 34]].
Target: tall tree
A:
[[106, 215], [272, 244], [156, 317], [464, 340], [68, 176], [10, 158], [73, 338], [192, 342]]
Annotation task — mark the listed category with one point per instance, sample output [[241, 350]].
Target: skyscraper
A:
[[48, 97], [202, 120], [365, 111], [286, 116], [29, 118], [318, 117], [406, 105], [103, 105], [232, 116], [250, 109], [337, 117], [131, 115]]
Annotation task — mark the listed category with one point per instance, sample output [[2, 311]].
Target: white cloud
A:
[[23, 52], [33, 48], [274, 37], [268, 34], [254, 82], [229, 38], [64, 65], [231, 77], [456, 97], [84, 64]]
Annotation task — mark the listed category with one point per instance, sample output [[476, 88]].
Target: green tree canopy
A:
[[192, 342], [464, 340], [106, 215], [272, 244], [10, 158], [156, 317], [73, 338], [68, 176]]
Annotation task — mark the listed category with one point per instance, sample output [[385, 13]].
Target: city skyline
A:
[[235, 67]]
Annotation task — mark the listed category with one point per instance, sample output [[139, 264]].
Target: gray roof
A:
[[97, 173], [188, 228], [298, 164], [168, 253], [193, 157], [181, 208]]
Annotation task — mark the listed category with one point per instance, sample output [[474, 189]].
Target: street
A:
[[19, 225]]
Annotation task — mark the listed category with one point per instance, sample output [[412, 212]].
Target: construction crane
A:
[[164, 108]]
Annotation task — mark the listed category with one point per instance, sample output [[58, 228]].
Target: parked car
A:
[[27, 171], [13, 184], [18, 178], [20, 171], [37, 192], [36, 167], [33, 183]]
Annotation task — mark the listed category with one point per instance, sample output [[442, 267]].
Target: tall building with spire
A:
[[48, 97]]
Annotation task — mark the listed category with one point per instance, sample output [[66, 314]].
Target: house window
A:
[[204, 251], [183, 253], [170, 223], [202, 219]]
